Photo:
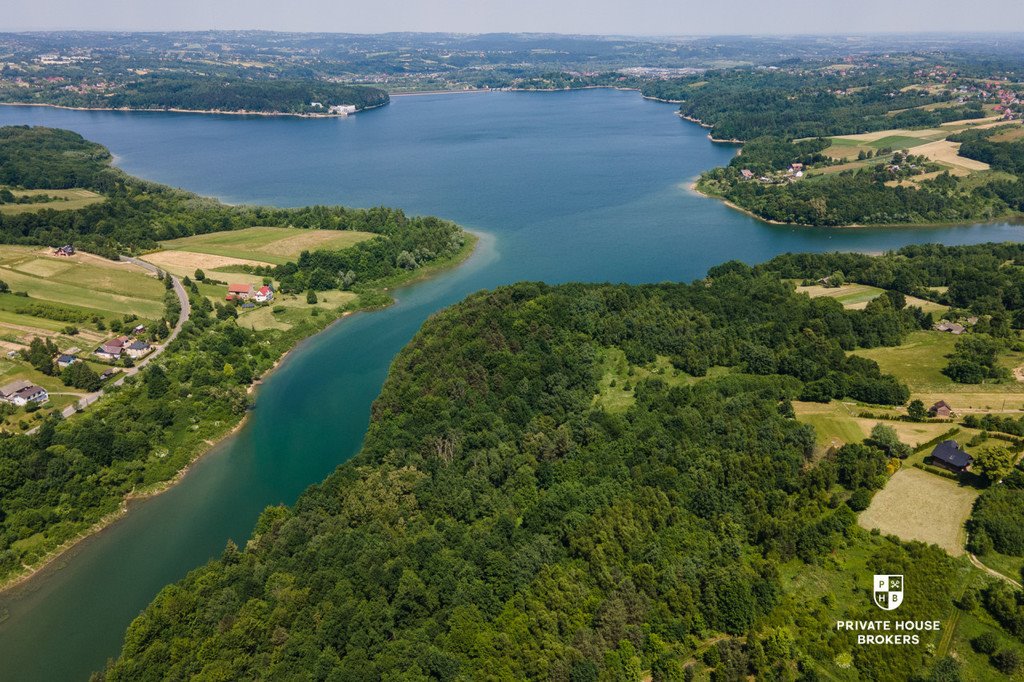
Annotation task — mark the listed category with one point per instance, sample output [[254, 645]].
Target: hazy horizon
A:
[[640, 18]]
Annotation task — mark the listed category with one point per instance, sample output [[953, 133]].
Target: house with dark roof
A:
[[28, 394], [136, 349], [941, 409], [66, 360], [8, 390], [66, 250], [948, 455]]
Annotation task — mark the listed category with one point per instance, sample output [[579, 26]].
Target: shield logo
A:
[[888, 591]]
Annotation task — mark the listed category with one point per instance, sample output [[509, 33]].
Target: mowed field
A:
[[288, 309], [836, 424], [857, 297], [83, 281], [919, 362], [251, 246], [917, 505], [928, 142], [71, 199]]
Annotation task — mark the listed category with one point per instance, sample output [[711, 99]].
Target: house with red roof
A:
[[240, 291], [265, 294]]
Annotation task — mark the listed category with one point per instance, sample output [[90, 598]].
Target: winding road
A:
[[186, 311]]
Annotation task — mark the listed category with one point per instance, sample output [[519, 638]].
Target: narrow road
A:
[[186, 311], [992, 572]]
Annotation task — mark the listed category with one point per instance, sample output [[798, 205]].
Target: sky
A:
[[620, 17]]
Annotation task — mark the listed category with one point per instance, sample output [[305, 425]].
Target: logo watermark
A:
[[887, 594], [888, 591]]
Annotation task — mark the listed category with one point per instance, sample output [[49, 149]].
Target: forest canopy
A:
[[500, 518]]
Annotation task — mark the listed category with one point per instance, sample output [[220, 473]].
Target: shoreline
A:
[[1009, 219], [23, 578], [177, 110], [704, 125]]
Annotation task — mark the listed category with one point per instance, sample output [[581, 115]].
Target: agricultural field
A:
[[67, 200], [917, 505], [83, 285], [83, 294], [219, 251], [837, 423], [919, 362], [857, 296], [928, 142]]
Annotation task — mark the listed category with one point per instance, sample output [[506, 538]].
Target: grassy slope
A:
[[73, 199], [274, 245]]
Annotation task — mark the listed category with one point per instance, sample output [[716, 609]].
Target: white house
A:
[[8, 390], [29, 394], [264, 294]]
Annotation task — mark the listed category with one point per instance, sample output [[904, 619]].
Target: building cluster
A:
[[114, 349], [955, 328], [791, 174], [249, 292]]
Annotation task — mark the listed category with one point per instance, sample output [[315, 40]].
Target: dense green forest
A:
[[810, 101], [501, 522], [978, 144], [135, 215], [59, 481], [287, 96]]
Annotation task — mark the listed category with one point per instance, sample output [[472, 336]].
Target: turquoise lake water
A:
[[587, 185]]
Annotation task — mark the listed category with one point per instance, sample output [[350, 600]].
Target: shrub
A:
[[985, 643]]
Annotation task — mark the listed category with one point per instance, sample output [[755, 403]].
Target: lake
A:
[[588, 185]]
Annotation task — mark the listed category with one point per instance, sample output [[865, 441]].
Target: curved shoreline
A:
[[1010, 219], [46, 563]]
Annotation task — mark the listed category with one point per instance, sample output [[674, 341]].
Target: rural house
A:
[[264, 295], [109, 372], [29, 394], [948, 455], [65, 361], [951, 327], [941, 410], [136, 349], [8, 390], [239, 291], [66, 250], [111, 350]]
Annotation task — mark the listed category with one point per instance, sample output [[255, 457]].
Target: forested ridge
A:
[[745, 103], [191, 92], [501, 523]]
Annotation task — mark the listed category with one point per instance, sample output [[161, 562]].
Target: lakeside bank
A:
[[38, 569]]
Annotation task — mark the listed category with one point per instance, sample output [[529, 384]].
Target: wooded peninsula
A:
[[877, 140], [600, 482]]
